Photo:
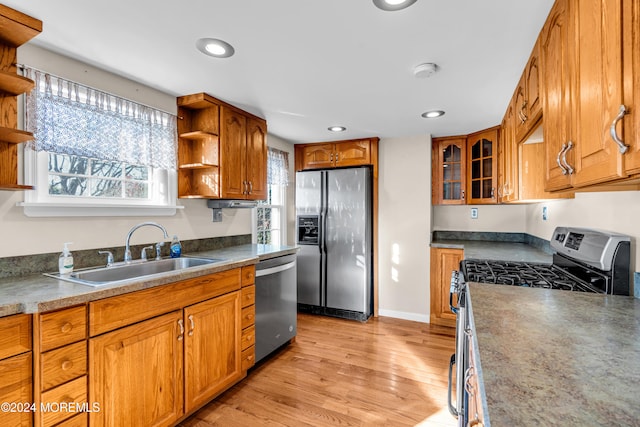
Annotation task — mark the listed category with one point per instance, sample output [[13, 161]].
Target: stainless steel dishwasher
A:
[[276, 304]]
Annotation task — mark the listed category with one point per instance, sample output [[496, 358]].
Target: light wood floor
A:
[[386, 372]]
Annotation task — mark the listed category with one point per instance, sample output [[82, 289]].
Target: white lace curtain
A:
[[277, 167], [70, 118]]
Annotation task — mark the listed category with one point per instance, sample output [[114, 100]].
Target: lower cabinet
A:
[[212, 348], [443, 262], [157, 369], [15, 390]]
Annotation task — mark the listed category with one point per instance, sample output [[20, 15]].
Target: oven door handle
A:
[[452, 290], [452, 409]]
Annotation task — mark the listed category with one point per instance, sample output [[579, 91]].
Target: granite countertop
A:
[[550, 357], [504, 251], [39, 293]]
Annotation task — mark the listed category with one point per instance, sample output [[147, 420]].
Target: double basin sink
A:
[[120, 272]]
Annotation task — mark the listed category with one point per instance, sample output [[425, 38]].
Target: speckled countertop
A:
[[555, 358], [38, 293], [506, 251]]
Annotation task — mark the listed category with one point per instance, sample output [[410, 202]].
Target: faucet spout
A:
[[127, 249]]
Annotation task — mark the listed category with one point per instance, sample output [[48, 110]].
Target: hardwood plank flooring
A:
[[385, 372]]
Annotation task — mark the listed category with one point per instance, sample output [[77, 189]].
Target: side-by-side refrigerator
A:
[[334, 234]]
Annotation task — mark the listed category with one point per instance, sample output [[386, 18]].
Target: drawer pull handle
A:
[[67, 327], [181, 324], [193, 325], [622, 147], [66, 365]]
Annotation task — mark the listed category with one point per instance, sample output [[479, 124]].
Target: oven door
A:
[[460, 358]]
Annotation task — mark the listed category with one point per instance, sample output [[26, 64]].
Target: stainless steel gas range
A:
[[585, 260]]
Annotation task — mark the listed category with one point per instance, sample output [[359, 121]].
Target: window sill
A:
[[79, 210]]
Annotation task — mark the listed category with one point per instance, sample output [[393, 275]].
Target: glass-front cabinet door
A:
[[449, 171], [482, 157]]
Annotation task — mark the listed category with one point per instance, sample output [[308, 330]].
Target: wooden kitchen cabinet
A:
[[222, 150], [136, 373], [16, 29], [527, 102], [355, 152], [443, 262], [60, 362], [508, 157], [168, 349], [482, 167], [449, 170], [212, 348], [16, 368], [631, 78]]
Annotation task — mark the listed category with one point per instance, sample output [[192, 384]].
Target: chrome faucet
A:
[[127, 249]]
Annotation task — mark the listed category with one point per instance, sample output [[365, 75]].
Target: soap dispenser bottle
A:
[[175, 250], [65, 261]]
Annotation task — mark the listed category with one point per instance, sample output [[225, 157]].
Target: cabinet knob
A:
[[66, 365], [67, 327]]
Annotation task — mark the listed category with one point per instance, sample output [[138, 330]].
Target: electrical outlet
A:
[[474, 213], [545, 213]]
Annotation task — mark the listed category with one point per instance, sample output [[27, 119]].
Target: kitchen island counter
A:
[[550, 357], [39, 293]]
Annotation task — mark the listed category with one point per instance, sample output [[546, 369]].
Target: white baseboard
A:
[[416, 317]]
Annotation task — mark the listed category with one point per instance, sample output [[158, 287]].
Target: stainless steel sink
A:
[[121, 272]]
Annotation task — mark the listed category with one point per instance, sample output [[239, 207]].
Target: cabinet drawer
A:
[[248, 316], [63, 327], [15, 386], [71, 392], [64, 364], [248, 337], [248, 296], [15, 335], [248, 275], [248, 358]]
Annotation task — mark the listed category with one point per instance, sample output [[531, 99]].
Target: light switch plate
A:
[[474, 213], [545, 213]]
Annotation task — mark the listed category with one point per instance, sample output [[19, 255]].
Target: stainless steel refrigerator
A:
[[334, 234]]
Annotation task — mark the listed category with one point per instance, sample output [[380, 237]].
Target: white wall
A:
[[404, 227], [24, 236], [504, 218], [614, 211]]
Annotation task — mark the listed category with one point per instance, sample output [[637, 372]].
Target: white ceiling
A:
[[305, 65]]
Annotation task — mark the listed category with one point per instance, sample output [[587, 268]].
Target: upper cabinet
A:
[[589, 53], [449, 166], [464, 169], [355, 152], [482, 163], [222, 150], [16, 29], [528, 106], [508, 158]]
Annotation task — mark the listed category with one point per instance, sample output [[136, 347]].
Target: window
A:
[[270, 223], [95, 153]]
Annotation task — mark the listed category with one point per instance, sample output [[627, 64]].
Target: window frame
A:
[[282, 207]]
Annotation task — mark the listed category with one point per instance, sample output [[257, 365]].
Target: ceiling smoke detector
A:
[[425, 70]]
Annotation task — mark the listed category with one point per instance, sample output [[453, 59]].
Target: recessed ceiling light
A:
[[215, 47], [337, 128], [391, 5], [432, 114]]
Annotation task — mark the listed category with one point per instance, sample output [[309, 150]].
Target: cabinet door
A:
[[233, 154], [599, 90], [508, 158], [16, 388], [557, 63], [212, 348], [257, 159], [532, 86], [521, 111], [483, 168], [353, 153], [449, 171], [443, 262], [631, 122], [135, 373], [317, 156]]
